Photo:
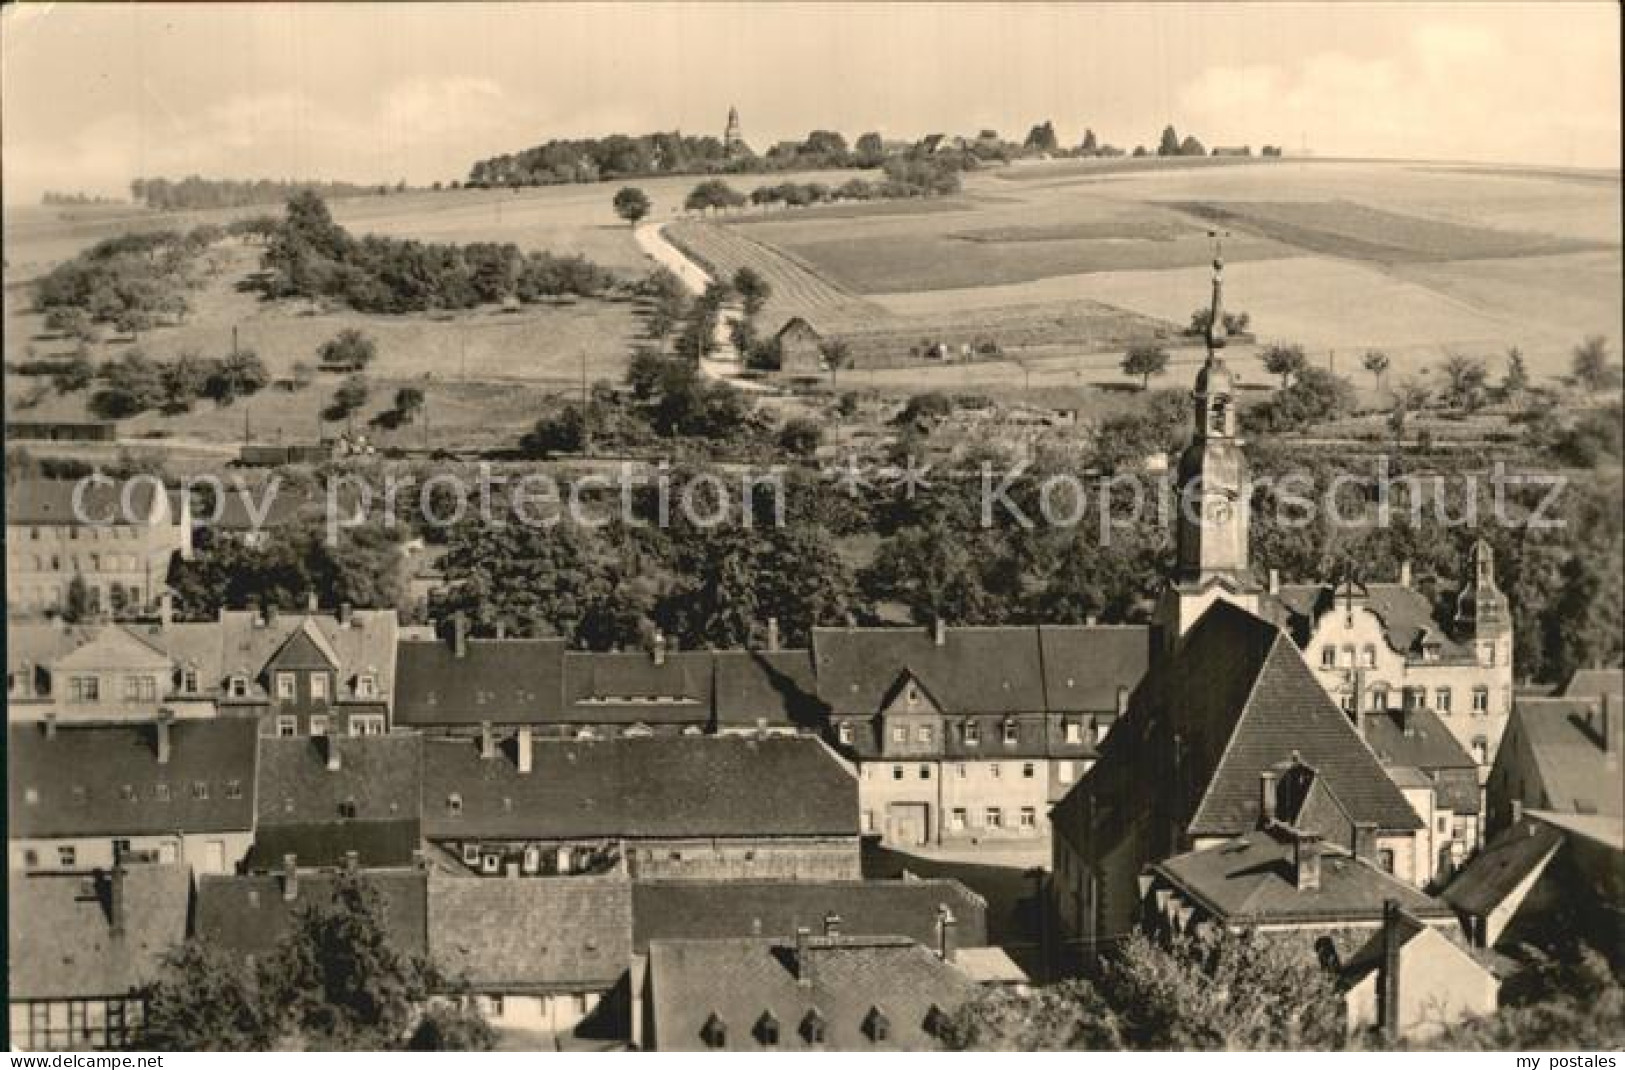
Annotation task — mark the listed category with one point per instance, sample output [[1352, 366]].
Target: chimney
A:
[[1306, 861], [659, 648], [459, 635], [116, 908], [488, 741], [1517, 811], [50, 726], [804, 961], [1608, 729], [166, 609], [1122, 699], [271, 613], [163, 730], [335, 760], [832, 925], [772, 634], [939, 632], [524, 749], [1388, 980], [1405, 573], [1266, 797], [947, 934], [1275, 581], [311, 602], [352, 860], [290, 878], [1365, 840], [344, 614]]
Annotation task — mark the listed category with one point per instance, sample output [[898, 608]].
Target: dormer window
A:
[[973, 733], [767, 1030], [813, 1027], [1074, 732], [1010, 732], [348, 809], [714, 1032], [238, 686], [844, 731], [366, 686], [454, 804], [876, 1026]]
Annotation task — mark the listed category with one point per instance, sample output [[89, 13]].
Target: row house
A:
[[682, 806], [333, 801], [1439, 779], [968, 735], [249, 915], [309, 674], [110, 672], [1180, 772], [82, 949], [1377, 646], [114, 539], [85, 797]]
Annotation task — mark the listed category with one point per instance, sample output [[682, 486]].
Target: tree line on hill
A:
[[131, 283], [194, 191]]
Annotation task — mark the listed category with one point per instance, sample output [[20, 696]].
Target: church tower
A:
[[1483, 618], [733, 143], [1210, 535]]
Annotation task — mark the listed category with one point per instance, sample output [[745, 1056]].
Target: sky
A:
[[95, 95]]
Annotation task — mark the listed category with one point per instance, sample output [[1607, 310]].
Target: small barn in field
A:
[[800, 350]]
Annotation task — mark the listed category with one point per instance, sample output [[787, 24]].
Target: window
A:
[[318, 687], [924, 734], [454, 804], [367, 724], [1028, 771], [1481, 750], [238, 687], [962, 770], [973, 733], [189, 681], [491, 863], [200, 790], [994, 818], [234, 789], [897, 772], [767, 1030], [845, 732], [868, 821], [1074, 732], [66, 857], [287, 686], [1350, 702], [366, 685], [318, 725], [471, 854], [1481, 700], [127, 792], [1441, 699], [493, 1006], [85, 688], [1346, 657], [1385, 859], [899, 734], [287, 727], [876, 1025], [1444, 825], [812, 1027], [160, 792], [925, 772], [1009, 733], [714, 1032], [994, 770], [1029, 818], [1379, 698], [1064, 772], [1368, 656], [121, 849], [30, 858], [956, 820]]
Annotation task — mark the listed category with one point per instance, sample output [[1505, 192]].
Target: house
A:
[[83, 797], [116, 539], [532, 954], [83, 946], [249, 915], [457, 684], [309, 673], [765, 691], [795, 993], [636, 693], [1547, 881], [1594, 683], [1560, 755], [695, 807], [1181, 770], [1377, 645], [724, 909], [800, 348], [968, 734], [1440, 779], [106, 673], [1412, 980], [336, 800]]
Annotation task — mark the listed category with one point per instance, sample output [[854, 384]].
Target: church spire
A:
[[1215, 322]]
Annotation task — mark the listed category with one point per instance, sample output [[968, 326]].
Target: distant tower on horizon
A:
[[733, 143]]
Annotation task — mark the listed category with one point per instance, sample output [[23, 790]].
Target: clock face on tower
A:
[[1217, 511]]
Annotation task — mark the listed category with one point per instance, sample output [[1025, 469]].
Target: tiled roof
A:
[[1594, 683], [1515, 853], [709, 910], [39, 643], [105, 780], [1417, 739], [49, 502], [1405, 612], [369, 804], [775, 686], [1249, 880], [504, 681], [975, 670], [365, 644], [632, 688], [42, 645], [1564, 736], [535, 933], [249, 915], [857, 983], [648, 787], [62, 940], [1085, 666]]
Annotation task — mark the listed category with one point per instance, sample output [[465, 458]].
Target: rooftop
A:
[[250, 915], [504, 681], [535, 934]]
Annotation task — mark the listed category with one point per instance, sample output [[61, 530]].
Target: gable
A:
[[909, 695], [113, 648], [306, 648]]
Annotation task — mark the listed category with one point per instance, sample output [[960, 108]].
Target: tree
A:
[[713, 193], [76, 373], [1145, 359], [452, 1028], [240, 374], [567, 430], [76, 604], [1409, 397], [350, 350], [71, 322], [1516, 380], [1090, 146], [185, 379], [350, 396], [631, 204], [937, 572], [871, 150], [134, 384], [1464, 377], [204, 999], [1070, 1016], [1168, 145], [1285, 360], [1191, 147], [1375, 361], [408, 403], [1315, 396], [801, 437], [837, 354], [1041, 138], [752, 289], [1591, 365]]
